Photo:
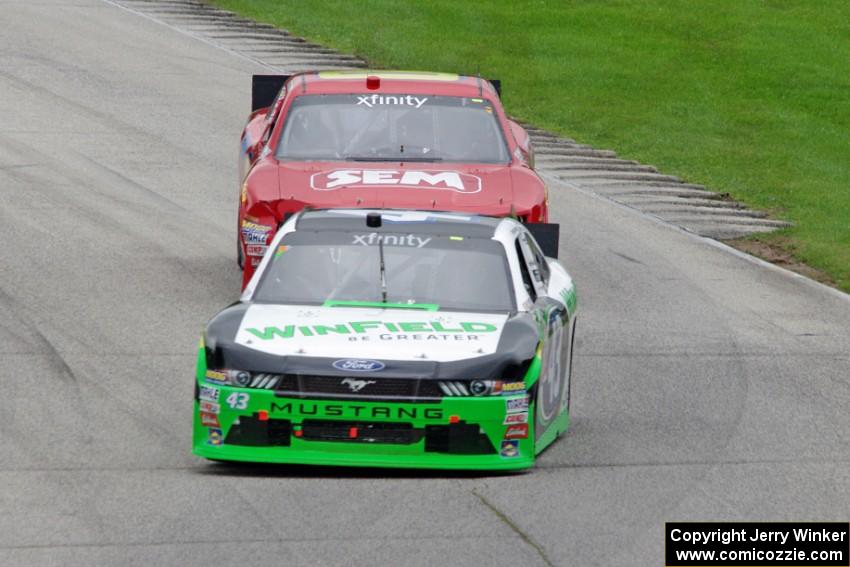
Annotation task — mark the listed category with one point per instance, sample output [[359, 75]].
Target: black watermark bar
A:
[[757, 544]]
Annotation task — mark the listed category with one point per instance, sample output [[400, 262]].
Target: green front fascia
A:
[[489, 412]]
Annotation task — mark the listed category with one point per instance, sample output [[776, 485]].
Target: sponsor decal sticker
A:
[[209, 394], [209, 419], [391, 240], [516, 418], [356, 365], [513, 388], [254, 233], [509, 449], [364, 327], [256, 249], [280, 250], [342, 333], [514, 405], [370, 101], [517, 431], [215, 437], [215, 377], [408, 179], [238, 400], [255, 261], [210, 407]]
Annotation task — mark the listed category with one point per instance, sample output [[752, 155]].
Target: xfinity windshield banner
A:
[[692, 544]]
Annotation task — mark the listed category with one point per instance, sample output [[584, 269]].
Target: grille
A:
[[251, 431], [360, 432], [457, 438], [355, 387], [371, 387]]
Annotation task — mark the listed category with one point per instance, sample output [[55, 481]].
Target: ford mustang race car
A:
[[379, 140], [391, 338]]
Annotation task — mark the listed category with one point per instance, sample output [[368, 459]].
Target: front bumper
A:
[[455, 433]]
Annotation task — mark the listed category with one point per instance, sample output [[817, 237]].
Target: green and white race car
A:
[[391, 338]]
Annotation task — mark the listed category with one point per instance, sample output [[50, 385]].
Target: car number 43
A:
[[238, 400]]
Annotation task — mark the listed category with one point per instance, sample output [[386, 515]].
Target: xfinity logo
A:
[[403, 100], [357, 385], [364, 178], [391, 239], [353, 365]]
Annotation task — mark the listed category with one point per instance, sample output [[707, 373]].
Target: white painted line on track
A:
[[194, 36]]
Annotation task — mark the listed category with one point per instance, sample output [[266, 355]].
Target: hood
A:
[[486, 189], [403, 342], [369, 333]]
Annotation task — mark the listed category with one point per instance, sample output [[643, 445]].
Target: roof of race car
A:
[[413, 82], [394, 220]]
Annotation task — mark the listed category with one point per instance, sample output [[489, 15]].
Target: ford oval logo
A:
[[355, 365]]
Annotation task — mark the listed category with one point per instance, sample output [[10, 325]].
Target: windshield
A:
[[451, 273], [377, 127]]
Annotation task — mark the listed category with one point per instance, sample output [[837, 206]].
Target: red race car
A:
[[427, 141]]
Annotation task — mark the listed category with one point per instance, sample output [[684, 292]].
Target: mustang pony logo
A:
[[349, 178], [357, 385]]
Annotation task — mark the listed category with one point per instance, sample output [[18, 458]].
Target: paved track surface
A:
[[707, 386]]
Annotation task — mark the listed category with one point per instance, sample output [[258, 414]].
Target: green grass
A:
[[747, 97]]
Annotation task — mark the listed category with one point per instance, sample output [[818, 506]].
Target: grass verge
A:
[[749, 97]]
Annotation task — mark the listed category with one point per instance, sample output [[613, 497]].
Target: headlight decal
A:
[[242, 379]]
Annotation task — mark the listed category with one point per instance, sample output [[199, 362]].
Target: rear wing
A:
[[264, 89], [547, 236]]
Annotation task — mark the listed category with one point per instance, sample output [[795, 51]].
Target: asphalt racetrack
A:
[[707, 386]]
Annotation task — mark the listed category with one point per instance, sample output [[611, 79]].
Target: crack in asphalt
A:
[[516, 529], [60, 365]]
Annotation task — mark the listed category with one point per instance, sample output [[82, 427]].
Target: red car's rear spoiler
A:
[[264, 89]]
